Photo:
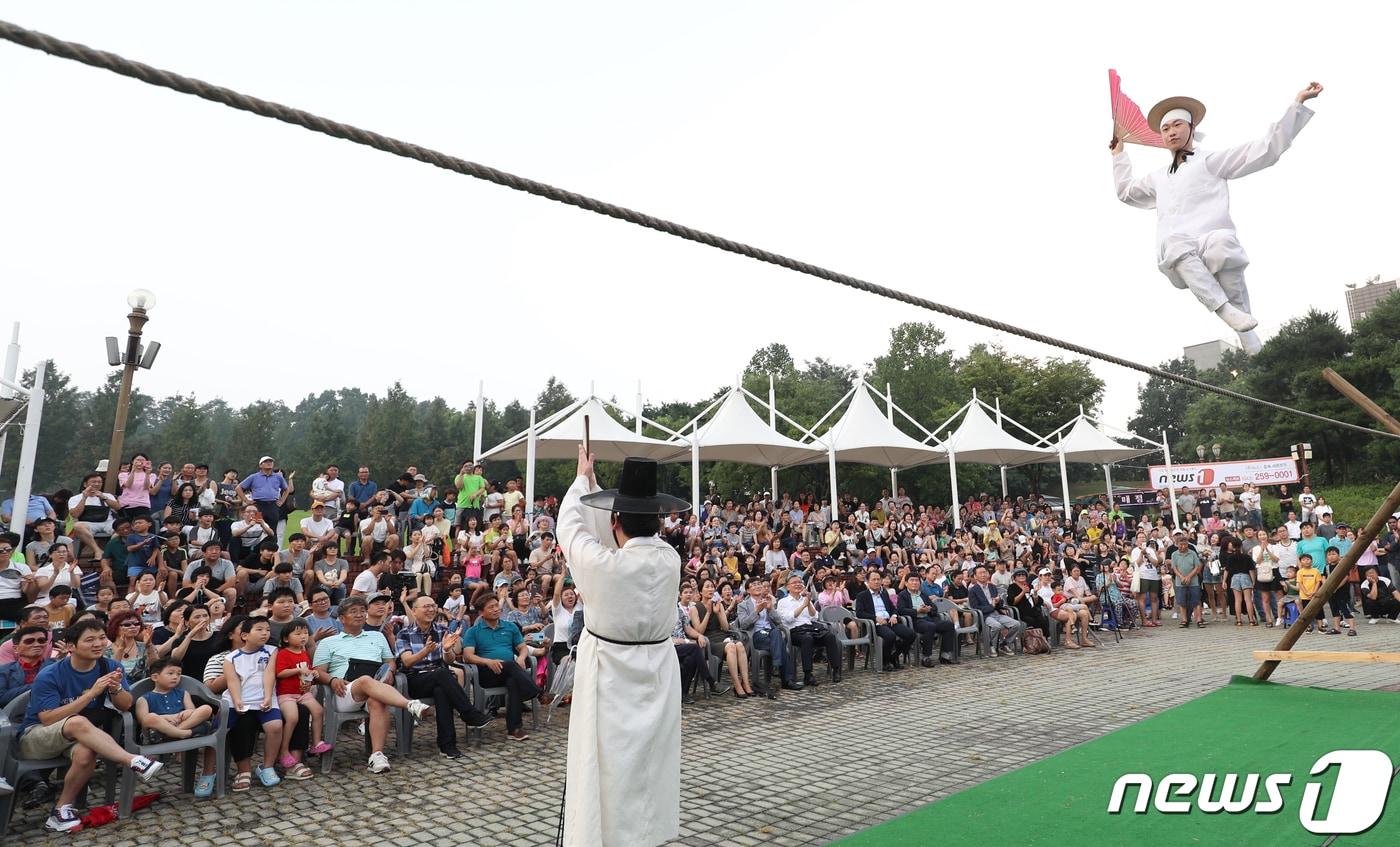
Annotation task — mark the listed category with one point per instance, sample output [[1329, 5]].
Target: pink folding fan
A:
[[1128, 122]]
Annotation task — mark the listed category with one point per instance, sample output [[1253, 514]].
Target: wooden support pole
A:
[[1367, 656], [1368, 533]]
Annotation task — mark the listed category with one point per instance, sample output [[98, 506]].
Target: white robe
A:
[[1193, 204], [624, 770]]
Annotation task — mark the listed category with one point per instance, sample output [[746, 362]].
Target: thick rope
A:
[[335, 129]]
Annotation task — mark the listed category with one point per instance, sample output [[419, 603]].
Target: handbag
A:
[[1033, 641], [1136, 587]]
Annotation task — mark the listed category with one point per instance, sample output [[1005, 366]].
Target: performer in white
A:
[[1196, 244], [624, 770]]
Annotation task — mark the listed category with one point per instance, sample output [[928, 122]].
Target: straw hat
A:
[[1190, 104]]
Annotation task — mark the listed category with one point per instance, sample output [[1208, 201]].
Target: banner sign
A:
[[1279, 471]]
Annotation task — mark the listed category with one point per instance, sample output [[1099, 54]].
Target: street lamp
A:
[[1201, 452], [135, 356], [1215, 451]]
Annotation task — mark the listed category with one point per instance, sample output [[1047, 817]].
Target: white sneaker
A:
[[1373, 621], [417, 708], [1250, 343], [360, 727], [5, 787], [63, 819], [378, 762], [1174, 616], [145, 768]]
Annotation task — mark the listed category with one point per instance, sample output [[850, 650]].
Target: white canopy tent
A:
[[867, 436], [735, 433], [981, 440], [558, 437], [1081, 441]]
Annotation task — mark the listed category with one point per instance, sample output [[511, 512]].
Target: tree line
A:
[[390, 431]]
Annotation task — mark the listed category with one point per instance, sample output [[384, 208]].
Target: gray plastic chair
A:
[[15, 767], [216, 740], [482, 696], [334, 719], [834, 616], [954, 613]]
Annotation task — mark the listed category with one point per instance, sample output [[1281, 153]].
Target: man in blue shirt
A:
[[363, 489], [39, 507], [498, 650], [267, 489], [68, 705]]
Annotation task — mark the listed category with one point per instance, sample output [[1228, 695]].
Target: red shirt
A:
[[286, 659]]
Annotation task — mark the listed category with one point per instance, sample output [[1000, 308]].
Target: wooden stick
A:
[[1338, 576], [1325, 656], [1350, 392], [587, 449]]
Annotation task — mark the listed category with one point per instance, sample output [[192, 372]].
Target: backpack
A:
[[1033, 642]]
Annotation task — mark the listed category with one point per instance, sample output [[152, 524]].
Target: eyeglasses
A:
[[126, 624], [33, 642]]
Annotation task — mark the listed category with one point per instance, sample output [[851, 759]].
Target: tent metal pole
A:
[[1108, 483], [1171, 485], [530, 466], [639, 407], [953, 479], [1064, 485], [695, 468], [480, 420], [773, 425], [27, 449], [1003, 482], [831, 470]]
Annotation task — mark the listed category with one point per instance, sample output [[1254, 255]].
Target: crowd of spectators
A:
[[412, 596]]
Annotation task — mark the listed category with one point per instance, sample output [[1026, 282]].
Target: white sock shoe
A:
[[1239, 321], [1250, 342]]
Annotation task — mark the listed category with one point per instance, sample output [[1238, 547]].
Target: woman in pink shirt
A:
[[136, 486], [834, 594]]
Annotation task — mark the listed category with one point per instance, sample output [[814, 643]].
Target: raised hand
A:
[[1115, 144], [1313, 89]]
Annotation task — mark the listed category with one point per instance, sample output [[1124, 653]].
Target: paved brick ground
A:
[[977, 715]]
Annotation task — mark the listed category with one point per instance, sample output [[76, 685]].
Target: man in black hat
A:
[[625, 723]]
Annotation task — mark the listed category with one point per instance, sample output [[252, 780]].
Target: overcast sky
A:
[[956, 152]]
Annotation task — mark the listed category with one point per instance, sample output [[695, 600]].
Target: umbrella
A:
[[562, 684]]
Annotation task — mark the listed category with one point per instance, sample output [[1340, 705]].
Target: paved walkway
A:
[[753, 771]]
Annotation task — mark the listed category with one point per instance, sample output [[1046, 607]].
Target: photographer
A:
[[379, 531]]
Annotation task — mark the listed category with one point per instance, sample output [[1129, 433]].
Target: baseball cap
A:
[[267, 459], [419, 478], [1042, 572], [377, 597]]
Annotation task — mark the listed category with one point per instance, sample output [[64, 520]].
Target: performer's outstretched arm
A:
[[1134, 192], [1256, 155], [584, 532]]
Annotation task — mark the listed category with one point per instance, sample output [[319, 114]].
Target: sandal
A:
[[242, 782], [299, 771], [204, 786], [1185, 624], [1200, 624]]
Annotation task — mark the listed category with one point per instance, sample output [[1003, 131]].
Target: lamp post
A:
[[1201, 452], [1215, 451], [135, 356]]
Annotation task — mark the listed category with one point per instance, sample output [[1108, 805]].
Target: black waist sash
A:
[[628, 643]]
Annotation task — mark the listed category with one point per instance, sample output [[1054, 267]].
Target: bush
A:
[[1351, 504]]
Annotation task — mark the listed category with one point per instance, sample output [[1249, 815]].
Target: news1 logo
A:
[[1205, 476], [1359, 793]]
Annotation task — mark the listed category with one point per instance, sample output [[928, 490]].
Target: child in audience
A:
[[252, 689], [1289, 595], [456, 604], [60, 610], [168, 710], [293, 668]]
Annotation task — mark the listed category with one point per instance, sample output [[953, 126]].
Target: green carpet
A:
[[1245, 727]]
